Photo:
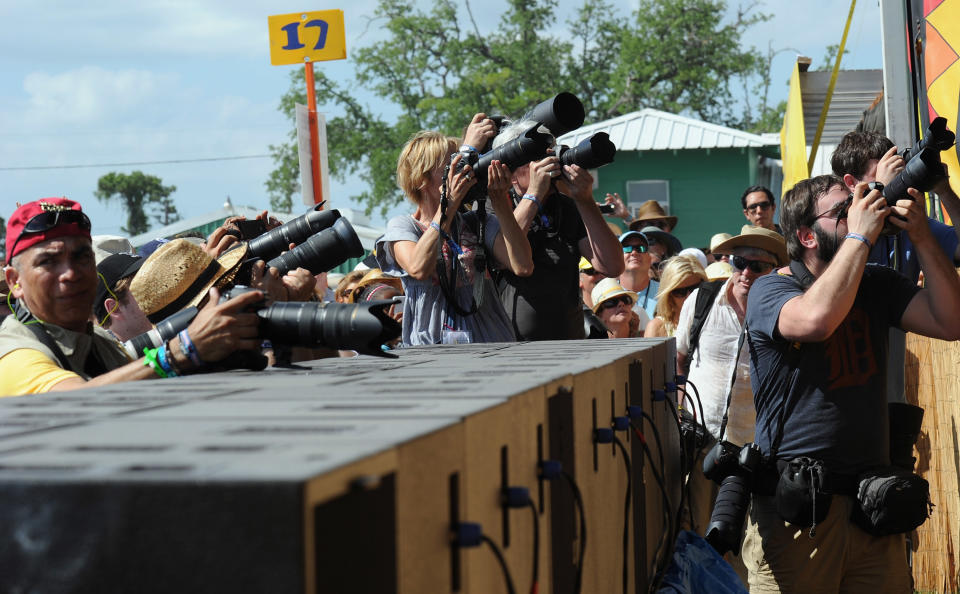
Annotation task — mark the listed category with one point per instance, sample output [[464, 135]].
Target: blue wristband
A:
[[861, 238], [466, 147], [188, 349], [163, 358], [533, 198]]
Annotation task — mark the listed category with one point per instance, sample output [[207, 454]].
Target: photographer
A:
[[868, 157], [440, 253], [818, 339], [49, 344], [554, 205]]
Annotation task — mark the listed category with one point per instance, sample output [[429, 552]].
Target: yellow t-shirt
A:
[[43, 376]]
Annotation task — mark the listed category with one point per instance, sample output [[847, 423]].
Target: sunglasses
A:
[[839, 211], [759, 205], [640, 249], [756, 266], [658, 223], [589, 272], [48, 220], [615, 301], [683, 291]]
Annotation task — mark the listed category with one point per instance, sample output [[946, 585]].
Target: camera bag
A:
[[891, 500], [800, 498]]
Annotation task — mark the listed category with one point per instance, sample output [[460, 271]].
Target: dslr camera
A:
[[734, 469], [560, 114]]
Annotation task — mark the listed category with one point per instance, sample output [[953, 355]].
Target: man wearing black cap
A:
[[116, 309], [49, 343]]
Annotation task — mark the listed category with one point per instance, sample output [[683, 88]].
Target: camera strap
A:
[[733, 381]]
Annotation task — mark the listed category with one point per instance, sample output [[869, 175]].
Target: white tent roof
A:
[[650, 129]]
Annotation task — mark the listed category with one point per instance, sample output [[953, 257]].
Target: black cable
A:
[[626, 516], [578, 498], [503, 563], [663, 491], [535, 585], [658, 574], [656, 435], [702, 418]]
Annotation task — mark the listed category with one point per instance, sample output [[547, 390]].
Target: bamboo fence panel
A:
[[932, 382]]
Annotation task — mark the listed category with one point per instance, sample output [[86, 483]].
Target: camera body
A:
[[734, 469]]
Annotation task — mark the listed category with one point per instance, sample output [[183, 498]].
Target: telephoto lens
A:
[[272, 243], [729, 512], [161, 333], [591, 153], [362, 327], [560, 114], [323, 251], [937, 136], [532, 145]]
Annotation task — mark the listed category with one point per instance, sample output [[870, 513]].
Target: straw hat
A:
[[719, 270], [179, 274], [651, 210], [607, 289], [717, 239], [757, 237]]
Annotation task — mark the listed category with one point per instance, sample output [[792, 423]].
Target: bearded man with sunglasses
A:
[[818, 334], [716, 356], [49, 343]]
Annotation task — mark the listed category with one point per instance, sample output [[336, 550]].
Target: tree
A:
[[135, 192], [437, 68]]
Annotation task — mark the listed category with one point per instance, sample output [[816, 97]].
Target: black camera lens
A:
[[729, 512], [272, 243], [922, 172], [161, 333], [362, 327], [323, 251], [937, 136], [532, 145], [591, 153], [560, 114]]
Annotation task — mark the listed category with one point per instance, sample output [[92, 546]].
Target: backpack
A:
[[707, 293]]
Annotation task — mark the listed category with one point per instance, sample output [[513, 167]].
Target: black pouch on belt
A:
[[892, 501], [800, 498]]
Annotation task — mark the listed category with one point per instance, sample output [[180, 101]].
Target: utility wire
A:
[[37, 167]]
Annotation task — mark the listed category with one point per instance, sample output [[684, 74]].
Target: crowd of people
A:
[[789, 329]]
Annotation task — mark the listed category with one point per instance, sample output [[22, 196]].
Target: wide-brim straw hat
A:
[[607, 289], [757, 237], [179, 274], [717, 239], [651, 210], [718, 270]]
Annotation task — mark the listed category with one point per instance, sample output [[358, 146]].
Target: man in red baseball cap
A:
[[49, 342]]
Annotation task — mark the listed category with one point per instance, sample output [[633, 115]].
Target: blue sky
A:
[[114, 82]]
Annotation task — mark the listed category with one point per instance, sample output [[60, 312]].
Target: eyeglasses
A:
[[756, 266], [48, 220], [761, 205], [839, 211], [615, 301], [683, 291], [640, 249]]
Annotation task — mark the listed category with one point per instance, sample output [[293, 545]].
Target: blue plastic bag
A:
[[697, 568]]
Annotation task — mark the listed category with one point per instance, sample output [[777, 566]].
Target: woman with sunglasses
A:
[[681, 275], [613, 305]]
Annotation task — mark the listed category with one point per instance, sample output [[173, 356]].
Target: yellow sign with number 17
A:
[[307, 37]]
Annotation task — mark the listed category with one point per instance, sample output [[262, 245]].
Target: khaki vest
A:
[[76, 346]]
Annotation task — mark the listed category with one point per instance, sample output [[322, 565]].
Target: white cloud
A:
[[90, 94]]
